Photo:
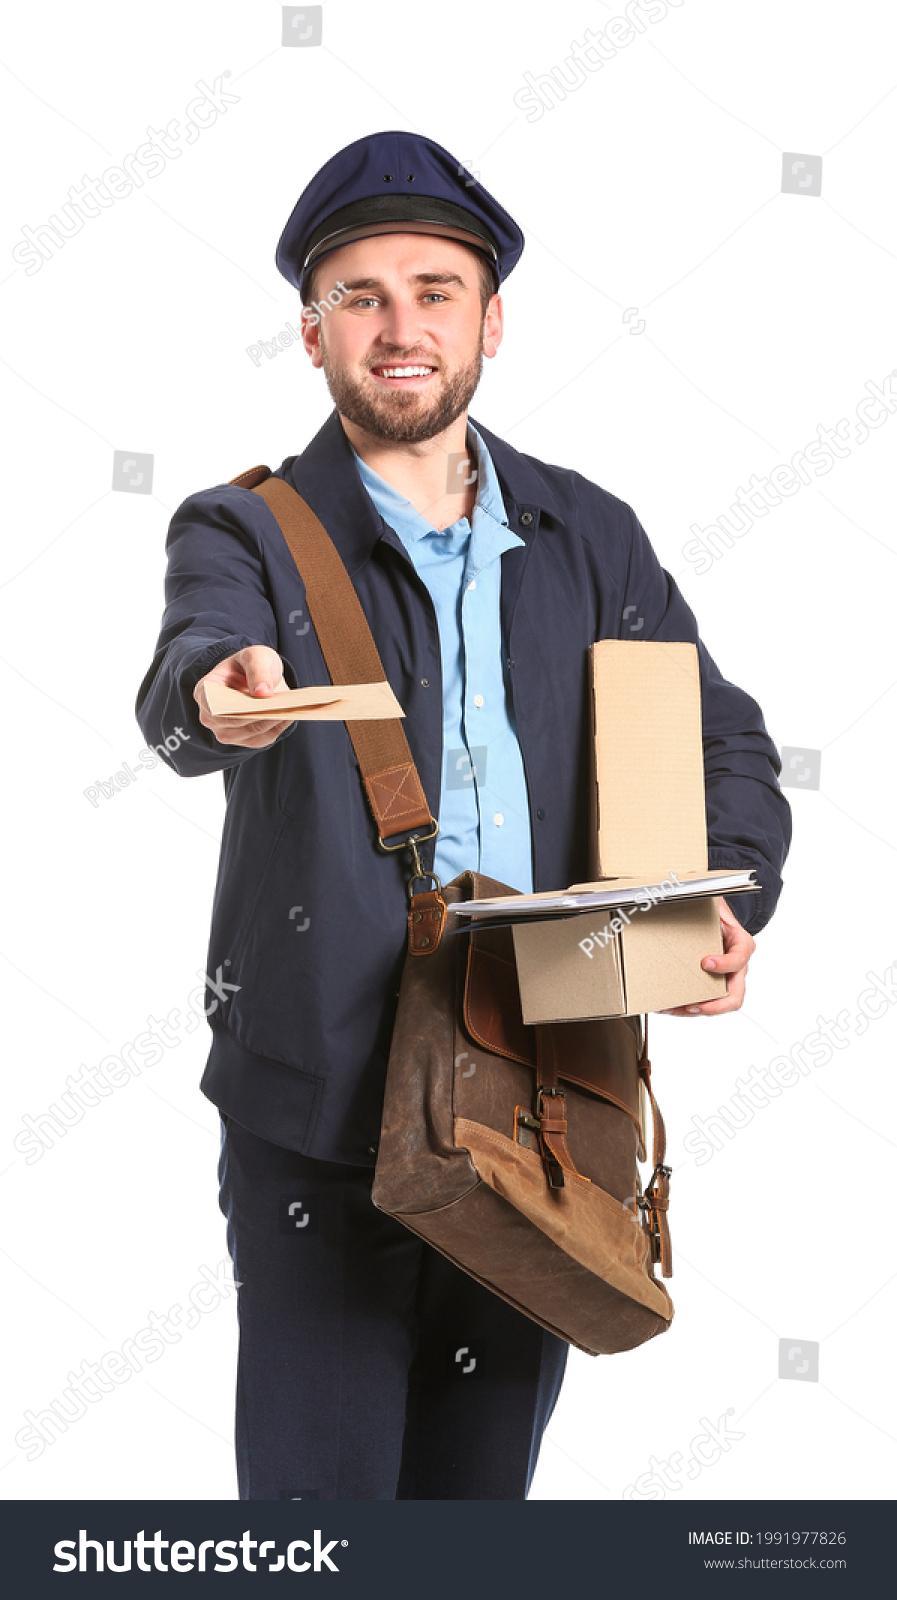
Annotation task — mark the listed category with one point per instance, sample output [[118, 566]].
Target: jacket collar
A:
[[326, 477]]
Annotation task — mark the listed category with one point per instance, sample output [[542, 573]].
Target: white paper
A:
[[619, 892]]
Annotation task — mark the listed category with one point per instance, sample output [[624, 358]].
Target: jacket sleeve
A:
[[216, 602], [748, 817]]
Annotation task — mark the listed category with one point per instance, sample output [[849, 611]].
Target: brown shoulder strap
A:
[[391, 780], [657, 1193]]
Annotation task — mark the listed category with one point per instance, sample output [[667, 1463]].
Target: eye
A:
[[367, 299], [435, 294]]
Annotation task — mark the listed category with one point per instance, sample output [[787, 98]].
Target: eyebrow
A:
[[419, 277]]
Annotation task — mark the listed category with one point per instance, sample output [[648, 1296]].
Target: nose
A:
[[400, 325]]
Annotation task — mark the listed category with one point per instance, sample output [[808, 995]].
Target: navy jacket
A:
[[309, 914]]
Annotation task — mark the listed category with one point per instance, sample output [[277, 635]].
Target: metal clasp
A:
[[420, 873], [660, 1171]]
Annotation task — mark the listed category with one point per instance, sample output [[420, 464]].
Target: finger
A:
[[732, 1000], [263, 668], [708, 1008], [733, 961], [727, 915], [268, 736], [225, 729]]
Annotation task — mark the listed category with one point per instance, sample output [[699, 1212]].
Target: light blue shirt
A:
[[484, 814]]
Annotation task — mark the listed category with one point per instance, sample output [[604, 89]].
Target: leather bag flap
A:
[[598, 1055]]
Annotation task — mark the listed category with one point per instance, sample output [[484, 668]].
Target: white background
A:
[[654, 185]]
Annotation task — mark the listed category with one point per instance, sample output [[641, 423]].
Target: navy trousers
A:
[[370, 1367]]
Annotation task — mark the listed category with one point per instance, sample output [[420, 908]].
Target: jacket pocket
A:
[[243, 924]]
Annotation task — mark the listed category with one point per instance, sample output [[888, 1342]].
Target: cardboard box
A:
[[650, 961], [647, 760], [648, 821]]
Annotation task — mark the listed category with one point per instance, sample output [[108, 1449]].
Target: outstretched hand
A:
[[257, 670]]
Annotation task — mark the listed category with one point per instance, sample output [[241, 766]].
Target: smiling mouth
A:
[[404, 374]]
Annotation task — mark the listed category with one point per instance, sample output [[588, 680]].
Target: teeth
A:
[[405, 372]]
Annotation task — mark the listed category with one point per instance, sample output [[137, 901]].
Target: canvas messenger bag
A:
[[512, 1149]]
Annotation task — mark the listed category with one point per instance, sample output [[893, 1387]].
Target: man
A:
[[370, 1367]]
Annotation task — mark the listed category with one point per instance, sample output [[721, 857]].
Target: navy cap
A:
[[388, 183]]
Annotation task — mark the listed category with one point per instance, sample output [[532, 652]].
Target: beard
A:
[[403, 417]]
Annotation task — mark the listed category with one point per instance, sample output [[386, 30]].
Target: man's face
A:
[[407, 301]]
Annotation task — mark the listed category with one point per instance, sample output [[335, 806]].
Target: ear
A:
[[493, 326], [310, 327]]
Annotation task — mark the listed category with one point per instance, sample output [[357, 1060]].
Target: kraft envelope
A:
[[347, 702]]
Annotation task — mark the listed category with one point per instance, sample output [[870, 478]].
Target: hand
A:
[[258, 671], [738, 947]]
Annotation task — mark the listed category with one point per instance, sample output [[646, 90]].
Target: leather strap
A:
[[390, 778], [426, 920], [551, 1109], [657, 1194]]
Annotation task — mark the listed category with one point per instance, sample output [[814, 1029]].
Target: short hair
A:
[[488, 282]]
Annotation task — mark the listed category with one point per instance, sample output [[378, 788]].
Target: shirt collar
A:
[[322, 475], [412, 525]]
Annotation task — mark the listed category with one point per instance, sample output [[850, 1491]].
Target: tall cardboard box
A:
[[648, 821]]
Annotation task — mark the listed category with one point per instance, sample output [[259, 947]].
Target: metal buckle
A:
[[555, 1093], [660, 1171], [649, 1221], [554, 1170], [412, 839]]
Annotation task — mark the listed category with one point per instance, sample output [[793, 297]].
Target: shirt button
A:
[[425, 683], [498, 819], [478, 700], [472, 584]]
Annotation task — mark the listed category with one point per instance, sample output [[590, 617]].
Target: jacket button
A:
[[541, 814], [425, 683], [372, 1149], [527, 518]]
